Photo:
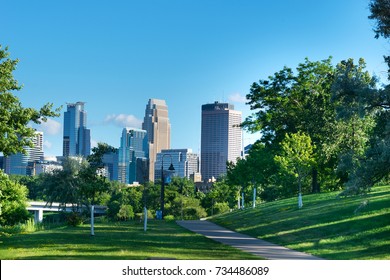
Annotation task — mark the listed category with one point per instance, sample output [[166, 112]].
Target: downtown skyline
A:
[[116, 56]]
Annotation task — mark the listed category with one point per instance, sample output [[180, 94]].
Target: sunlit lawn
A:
[[125, 240], [326, 226]]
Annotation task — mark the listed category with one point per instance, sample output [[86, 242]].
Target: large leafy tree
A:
[[374, 165], [79, 183], [350, 90], [15, 134], [289, 102]]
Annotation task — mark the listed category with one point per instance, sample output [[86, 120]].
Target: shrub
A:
[[13, 198], [221, 207], [125, 212], [74, 219], [169, 218]]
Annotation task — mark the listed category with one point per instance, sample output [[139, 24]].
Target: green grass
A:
[[327, 226], [125, 240]]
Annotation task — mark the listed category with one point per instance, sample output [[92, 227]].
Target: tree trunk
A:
[[315, 186]]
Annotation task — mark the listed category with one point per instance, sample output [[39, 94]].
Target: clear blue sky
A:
[[115, 55]]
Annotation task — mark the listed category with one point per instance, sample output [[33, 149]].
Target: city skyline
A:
[[116, 56]]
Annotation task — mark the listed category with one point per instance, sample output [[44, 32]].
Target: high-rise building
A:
[[110, 162], [185, 162], [221, 139], [158, 127], [133, 156], [24, 164], [77, 138]]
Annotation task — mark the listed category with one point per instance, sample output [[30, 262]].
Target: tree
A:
[[380, 11], [13, 198], [125, 212], [356, 121], [289, 102], [63, 186], [297, 157], [15, 134]]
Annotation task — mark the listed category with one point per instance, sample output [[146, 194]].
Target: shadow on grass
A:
[[116, 241]]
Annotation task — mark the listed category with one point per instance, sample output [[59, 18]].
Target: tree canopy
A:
[[15, 132]]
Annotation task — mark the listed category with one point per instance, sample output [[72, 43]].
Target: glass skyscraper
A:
[[77, 138], [133, 156], [221, 138], [24, 164]]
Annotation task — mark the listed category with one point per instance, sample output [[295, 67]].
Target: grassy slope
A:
[[125, 240], [326, 226]]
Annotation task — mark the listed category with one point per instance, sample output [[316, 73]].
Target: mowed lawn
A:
[[125, 240], [327, 226]]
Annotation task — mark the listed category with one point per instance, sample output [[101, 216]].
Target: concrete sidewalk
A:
[[244, 242]]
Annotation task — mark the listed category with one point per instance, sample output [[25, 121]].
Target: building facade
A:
[[221, 138], [110, 162], [25, 164], [185, 162], [77, 138], [156, 124], [133, 156]]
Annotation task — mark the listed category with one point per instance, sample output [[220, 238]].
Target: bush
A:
[[13, 200], [74, 219], [169, 218], [125, 212], [221, 207]]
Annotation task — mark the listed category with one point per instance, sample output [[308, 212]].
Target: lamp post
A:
[[171, 168]]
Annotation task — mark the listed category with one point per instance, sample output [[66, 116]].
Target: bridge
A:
[[37, 207]]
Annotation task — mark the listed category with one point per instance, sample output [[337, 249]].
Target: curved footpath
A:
[[244, 242]]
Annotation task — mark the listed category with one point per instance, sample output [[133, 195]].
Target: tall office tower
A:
[[158, 127], [24, 164], [133, 156], [221, 139], [110, 163], [185, 162], [77, 138]]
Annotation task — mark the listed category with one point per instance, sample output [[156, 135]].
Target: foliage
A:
[[63, 186], [296, 157], [380, 12], [291, 102], [125, 212], [220, 208], [15, 134], [79, 183], [121, 198], [33, 184], [181, 200], [74, 219], [13, 201], [221, 192], [169, 218]]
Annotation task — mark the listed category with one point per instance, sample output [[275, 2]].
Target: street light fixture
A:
[[171, 169]]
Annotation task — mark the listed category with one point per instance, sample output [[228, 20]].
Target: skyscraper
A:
[[24, 164], [221, 139], [133, 156], [158, 127], [77, 138], [185, 162]]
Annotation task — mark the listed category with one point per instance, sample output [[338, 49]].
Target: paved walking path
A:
[[245, 242]]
